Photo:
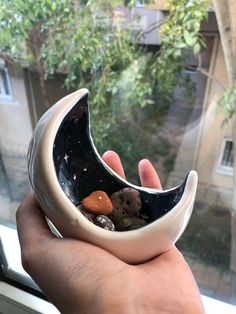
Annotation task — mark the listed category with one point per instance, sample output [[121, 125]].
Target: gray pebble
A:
[[88, 215], [104, 222]]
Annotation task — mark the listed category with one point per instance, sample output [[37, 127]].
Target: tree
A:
[[22, 24], [87, 40]]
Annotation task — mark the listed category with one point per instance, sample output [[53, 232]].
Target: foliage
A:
[[180, 31], [87, 40], [226, 104], [133, 153], [89, 44], [18, 18], [207, 236], [169, 163]]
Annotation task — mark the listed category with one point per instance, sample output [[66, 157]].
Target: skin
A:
[[81, 278]]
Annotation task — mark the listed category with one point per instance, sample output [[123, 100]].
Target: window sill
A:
[[8, 102], [217, 307], [14, 300], [225, 171]]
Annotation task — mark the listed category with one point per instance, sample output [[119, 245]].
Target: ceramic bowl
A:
[[64, 167]]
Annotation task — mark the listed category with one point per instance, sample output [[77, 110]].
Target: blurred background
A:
[[161, 76]]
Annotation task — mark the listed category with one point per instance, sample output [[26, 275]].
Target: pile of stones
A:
[[121, 211]]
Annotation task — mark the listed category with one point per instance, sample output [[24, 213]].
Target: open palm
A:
[[79, 277]]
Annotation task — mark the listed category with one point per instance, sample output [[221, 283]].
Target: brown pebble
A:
[[104, 222], [126, 203], [98, 203], [130, 223]]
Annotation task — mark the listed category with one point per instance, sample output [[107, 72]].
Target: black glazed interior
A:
[[80, 171]]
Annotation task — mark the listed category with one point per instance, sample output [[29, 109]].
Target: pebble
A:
[[130, 223], [126, 203], [104, 222], [123, 209], [88, 215], [98, 203]]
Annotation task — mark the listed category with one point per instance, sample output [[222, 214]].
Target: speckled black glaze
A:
[[80, 170]]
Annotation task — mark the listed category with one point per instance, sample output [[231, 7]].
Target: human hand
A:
[[79, 277]]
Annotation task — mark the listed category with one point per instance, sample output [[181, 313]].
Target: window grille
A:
[[139, 4], [227, 159], [5, 84]]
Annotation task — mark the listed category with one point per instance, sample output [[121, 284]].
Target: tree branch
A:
[[152, 28], [222, 87], [40, 65], [201, 70], [6, 57]]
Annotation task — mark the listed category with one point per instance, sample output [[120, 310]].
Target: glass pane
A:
[[228, 156], [4, 82], [177, 135], [15, 132]]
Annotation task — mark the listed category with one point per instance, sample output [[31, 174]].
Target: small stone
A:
[[98, 203], [126, 203], [130, 223], [88, 215], [104, 222]]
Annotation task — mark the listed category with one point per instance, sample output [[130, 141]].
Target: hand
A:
[[79, 277]]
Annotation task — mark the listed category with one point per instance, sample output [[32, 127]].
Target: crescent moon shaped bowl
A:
[[64, 167]]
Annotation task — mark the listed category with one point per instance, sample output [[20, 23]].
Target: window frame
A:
[[18, 292], [5, 98], [221, 169], [139, 4], [24, 287]]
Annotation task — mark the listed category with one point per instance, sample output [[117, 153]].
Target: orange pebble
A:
[[98, 203]]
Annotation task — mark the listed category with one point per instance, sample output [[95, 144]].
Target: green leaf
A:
[[189, 38]]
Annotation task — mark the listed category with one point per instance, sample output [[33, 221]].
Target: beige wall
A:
[[15, 126], [158, 5], [201, 144], [163, 5], [212, 134]]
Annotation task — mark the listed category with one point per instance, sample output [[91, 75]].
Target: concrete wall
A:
[[15, 134], [18, 116], [212, 136], [15, 125], [164, 5], [201, 144], [158, 5], [147, 19]]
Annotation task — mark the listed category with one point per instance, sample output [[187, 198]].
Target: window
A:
[[227, 158], [18, 293], [139, 4], [5, 84], [177, 135], [226, 161]]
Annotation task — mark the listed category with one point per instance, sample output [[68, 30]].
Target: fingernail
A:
[[143, 161]]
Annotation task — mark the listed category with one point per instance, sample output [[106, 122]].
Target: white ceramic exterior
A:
[[131, 246]]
